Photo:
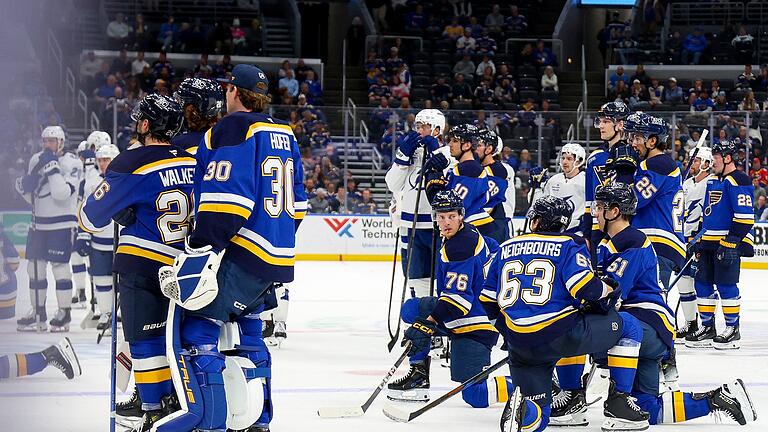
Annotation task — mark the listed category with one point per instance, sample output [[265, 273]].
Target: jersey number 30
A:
[[282, 186], [543, 272]]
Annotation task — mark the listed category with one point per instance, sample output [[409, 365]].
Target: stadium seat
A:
[[523, 132], [442, 69], [421, 81], [514, 143], [421, 69], [420, 94], [528, 94], [441, 57], [529, 83], [550, 95], [527, 71]]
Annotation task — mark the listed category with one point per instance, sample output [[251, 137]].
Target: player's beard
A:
[[140, 137]]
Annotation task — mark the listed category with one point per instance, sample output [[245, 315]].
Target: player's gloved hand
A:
[[420, 334], [623, 159], [434, 184], [693, 267], [607, 303], [125, 217], [28, 183], [692, 248], [88, 156], [83, 244], [437, 163], [728, 252], [429, 142], [409, 143], [538, 176], [48, 163]]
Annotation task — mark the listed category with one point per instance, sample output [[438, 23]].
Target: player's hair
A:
[[661, 144], [196, 121], [253, 101]]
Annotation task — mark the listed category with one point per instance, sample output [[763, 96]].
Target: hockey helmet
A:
[[554, 213], [55, 132], [614, 111], [465, 133], [619, 195], [647, 126], [163, 113], [109, 151], [490, 139], [432, 117], [204, 94], [705, 154], [446, 201], [725, 148], [576, 150], [98, 138], [83, 146]]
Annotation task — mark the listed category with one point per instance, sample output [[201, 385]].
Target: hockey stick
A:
[[38, 321], [113, 358], [589, 376], [700, 143], [432, 275], [357, 411], [88, 321], [687, 262], [409, 256], [403, 416], [392, 280]]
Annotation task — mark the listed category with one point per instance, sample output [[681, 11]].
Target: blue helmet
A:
[[725, 148], [619, 195], [446, 201], [464, 133], [164, 115], [204, 94], [647, 125], [612, 110], [554, 213]]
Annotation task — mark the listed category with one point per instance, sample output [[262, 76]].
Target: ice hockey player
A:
[[404, 181], [627, 256], [250, 199], [728, 218], [455, 312], [148, 191], [98, 247], [91, 177], [501, 182], [61, 356], [609, 120], [657, 183], [202, 101], [9, 263], [468, 178], [555, 306], [568, 184], [50, 185], [694, 188]]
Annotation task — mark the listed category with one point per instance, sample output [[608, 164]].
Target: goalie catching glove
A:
[[191, 281]]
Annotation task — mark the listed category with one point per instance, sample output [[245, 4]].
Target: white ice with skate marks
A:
[[336, 354]]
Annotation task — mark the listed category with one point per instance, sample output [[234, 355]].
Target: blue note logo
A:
[[341, 226]]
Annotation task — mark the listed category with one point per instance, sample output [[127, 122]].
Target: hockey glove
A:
[[28, 183], [429, 142], [409, 144], [420, 334], [191, 281], [728, 252], [125, 217], [539, 176], [623, 160], [435, 183], [607, 303], [436, 163], [48, 162], [83, 244]]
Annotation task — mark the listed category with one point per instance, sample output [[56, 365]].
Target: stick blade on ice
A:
[[397, 414], [340, 412]]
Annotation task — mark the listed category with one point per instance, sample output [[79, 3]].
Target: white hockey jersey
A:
[[100, 240], [510, 194], [694, 203], [55, 200], [569, 189]]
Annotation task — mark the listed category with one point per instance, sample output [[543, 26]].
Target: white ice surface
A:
[[336, 354]]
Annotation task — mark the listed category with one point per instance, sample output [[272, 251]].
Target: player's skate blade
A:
[[729, 340], [340, 412], [618, 425], [32, 322], [574, 419], [512, 416], [413, 395], [128, 413], [569, 408]]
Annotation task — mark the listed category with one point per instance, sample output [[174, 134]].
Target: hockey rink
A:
[[336, 354]]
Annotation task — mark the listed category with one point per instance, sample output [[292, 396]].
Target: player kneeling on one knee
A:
[[455, 312], [555, 306]]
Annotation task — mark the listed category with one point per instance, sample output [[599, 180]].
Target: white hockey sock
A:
[[687, 298], [104, 300], [420, 287], [64, 298]]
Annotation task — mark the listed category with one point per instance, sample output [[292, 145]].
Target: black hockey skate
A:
[[728, 340], [128, 413], [569, 408], [254, 428], [688, 329], [671, 375], [33, 321], [169, 404], [79, 301], [622, 413], [413, 387], [105, 323], [60, 323], [62, 356], [267, 329], [512, 416], [702, 338], [732, 401]]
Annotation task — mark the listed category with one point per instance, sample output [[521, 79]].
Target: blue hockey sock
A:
[[151, 371], [569, 371], [622, 357], [536, 418], [676, 407], [488, 392], [706, 303], [19, 365]]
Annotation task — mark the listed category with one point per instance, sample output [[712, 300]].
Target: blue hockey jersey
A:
[[661, 206], [471, 182], [460, 278], [189, 141], [538, 281], [728, 212], [630, 259], [498, 184], [156, 181], [596, 175], [249, 193]]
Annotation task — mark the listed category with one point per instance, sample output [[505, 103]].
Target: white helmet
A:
[[705, 154], [83, 146], [576, 150], [98, 138], [54, 132], [499, 146], [432, 117], [108, 151]]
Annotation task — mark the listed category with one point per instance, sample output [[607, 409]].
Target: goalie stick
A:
[[357, 411]]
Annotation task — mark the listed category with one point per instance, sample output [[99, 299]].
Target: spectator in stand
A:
[[288, 84], [342, 199], [697, 87], [333, 201], [525, 163], [239, 42], [192, 38], [301, 70], [405, 107], [484, 93], [387, 143], [504, 73], [224, 66], [549, 79], [379, 90], [315, 90], [464, 66], [759, 172], [398, 88], [481, 121], [137, 66], [639, 98], [527, 113], [543, 56], [655, 91], [617, 76], [454, 30], [731, 128], [379, 11], [486, 44], [487, 75], [673, 94], [416, 21], [747, 79], [694, 46], [748, 103], [168, 34], [161, 63], [366, 205], [352, 193], [440, 90], [330, 153], [118, 32], [254, 37], [641, 75], [761, 209], [721, 102], [505, 91], [461, 89], [106, 90], [494, 21], [382, 115], [703, 103], [486, 63], [319, 203], [90, 66], [620, 93], [722, 136], [121, 65], [517, 24], [714, 88], [393, 62], [743, 45], [203, 69], [466, 43], [146, 79], [160, 87], [762, 80], [142, 37], [374, 67], [526, 55], [320, 136], [285, 66], [405, 75]]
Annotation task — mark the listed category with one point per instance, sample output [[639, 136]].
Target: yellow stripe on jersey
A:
[[705, 308], [668, 242], [536, 327], [567, 361], [192, 150], [170, 162], [144, 253], [679, 404], [265, 125], [732, 180], [483, 221], [153, 377], [480, 245], [476, 327], [262, 254], [300, 214], [8, 303], [580, 284], [452, 302], [502, 394], [744, 221], [225, 208], [726, 309], [21, 365], [207, 138], [666, 323]]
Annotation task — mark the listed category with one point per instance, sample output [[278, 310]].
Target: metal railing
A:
[[377, 41], [82, 103], [702, 13], [557, 45], [55, 54], [94, 121], [70, 88]]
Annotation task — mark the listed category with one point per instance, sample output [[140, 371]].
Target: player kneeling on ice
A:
[[456, 312], [555, 306], [61, 356]]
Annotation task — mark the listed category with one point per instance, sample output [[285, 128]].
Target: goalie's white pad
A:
[[191, 281], [245, 393]]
